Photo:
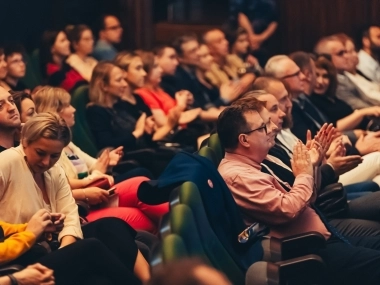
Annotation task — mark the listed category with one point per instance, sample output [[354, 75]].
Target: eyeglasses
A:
[[292, 75], [259, 128], [340, 53]]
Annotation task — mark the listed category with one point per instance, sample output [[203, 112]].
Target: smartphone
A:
[[111, 191]]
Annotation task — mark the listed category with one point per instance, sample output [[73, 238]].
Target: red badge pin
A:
[[209, 182]]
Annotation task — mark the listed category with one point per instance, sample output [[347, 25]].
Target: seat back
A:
[[182, 223], [82, 136], [215, 144], [209, 153], [188, 194]]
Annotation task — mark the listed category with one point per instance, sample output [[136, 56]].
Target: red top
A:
[[157, 99], [65, 77]]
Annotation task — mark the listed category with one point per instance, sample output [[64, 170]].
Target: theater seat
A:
[[216, 146], [188, 194], [82, 136], [209, 153]]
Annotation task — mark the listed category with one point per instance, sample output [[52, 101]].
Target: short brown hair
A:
[[147, 59], [179, 41], [231, 122]]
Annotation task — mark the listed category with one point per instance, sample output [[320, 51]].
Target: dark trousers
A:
[[89, 262], [354, 264]]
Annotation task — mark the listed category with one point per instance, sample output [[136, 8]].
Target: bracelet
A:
[[13, 279], [84, 192]]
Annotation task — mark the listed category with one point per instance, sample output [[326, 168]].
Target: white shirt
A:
[[369, 66], [288, 139], [370, 89]]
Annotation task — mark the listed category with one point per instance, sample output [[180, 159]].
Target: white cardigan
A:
[[21, 198]]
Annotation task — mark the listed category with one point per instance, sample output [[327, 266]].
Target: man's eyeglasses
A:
[[259, 128], [292, 75]]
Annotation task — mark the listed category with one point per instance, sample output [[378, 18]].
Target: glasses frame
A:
[[259, 128]]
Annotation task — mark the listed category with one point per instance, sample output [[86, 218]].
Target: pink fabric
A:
[[139, 215], [261, 198]]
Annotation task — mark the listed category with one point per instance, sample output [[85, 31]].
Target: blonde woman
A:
[[116, 122], [82, 169], [31, 180]]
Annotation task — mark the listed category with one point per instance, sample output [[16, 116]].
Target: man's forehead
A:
[[269, 99], [4, 94], [374, 30]]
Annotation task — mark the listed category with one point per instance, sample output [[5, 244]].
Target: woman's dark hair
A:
[[74, 34], [47, 41], [323, 62], [233, 34], [18, 97]]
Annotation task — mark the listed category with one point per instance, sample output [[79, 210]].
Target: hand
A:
[[57, 223], [98, 175], [341, 163], [102, 162], [252, 60], [184, 98], [115, 155], [254, 41], [149, 125], [173, 116], [301, 162], [35, 274], [96, 195], [370, 111], [230, 91], [315, 150], [140, 126], [369, 143], [39, 222], [325, 137]]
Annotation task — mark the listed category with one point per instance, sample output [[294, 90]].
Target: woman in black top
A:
[[335, 109], [116, 122]]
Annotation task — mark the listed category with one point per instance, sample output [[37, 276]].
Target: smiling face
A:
[[42, 154], [9, 115], [117, 84], [135, 75], [323, 81], [272, 105]]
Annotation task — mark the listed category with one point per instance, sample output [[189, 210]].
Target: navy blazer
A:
[[222, 211]]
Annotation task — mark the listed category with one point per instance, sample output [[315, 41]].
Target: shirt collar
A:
[[243, 159], [368, 60]]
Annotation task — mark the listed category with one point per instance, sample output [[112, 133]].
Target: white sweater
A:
[[21, 198]]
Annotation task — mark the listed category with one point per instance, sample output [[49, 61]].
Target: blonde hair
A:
[[51, 99], [46, 125], [99, 80], [123, 59]]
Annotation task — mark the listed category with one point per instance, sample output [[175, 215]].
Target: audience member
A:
[[16, 68], [44, 186], [3, 65], [82, 43], [9, 120], [247, 133], [369, 54], [225, 66], [110, 32], [115, 122], [55, 64], [347, 90]]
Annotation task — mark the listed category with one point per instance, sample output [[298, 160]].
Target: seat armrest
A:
[[10, 269], [308, 269], [293, 246]]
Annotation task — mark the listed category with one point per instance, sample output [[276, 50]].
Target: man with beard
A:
[[369, 55]]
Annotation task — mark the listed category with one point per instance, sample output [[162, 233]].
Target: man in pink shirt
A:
[[247, 133]]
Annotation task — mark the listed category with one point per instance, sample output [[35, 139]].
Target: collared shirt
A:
[[288, 140], [370, 89], [368, 66], [261, 198]]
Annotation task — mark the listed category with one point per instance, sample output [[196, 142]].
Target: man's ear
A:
[[243, 140]]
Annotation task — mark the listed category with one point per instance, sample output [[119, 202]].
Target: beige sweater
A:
[[21, 198]]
